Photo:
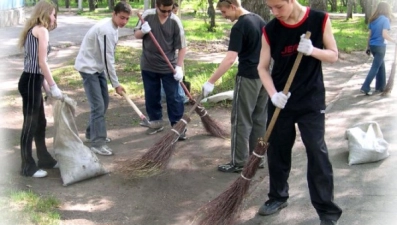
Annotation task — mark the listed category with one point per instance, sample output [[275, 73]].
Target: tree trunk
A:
[[257, 6], [111, 5], [91, 5], [211, 14], [370, 7], [67, 4], [334, 5], [56, 3], [318, 4], [349, 14], [153, 4]]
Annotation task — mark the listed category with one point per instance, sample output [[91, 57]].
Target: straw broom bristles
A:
[[210, 125], [157, 157], [390, 82], [224, 209]]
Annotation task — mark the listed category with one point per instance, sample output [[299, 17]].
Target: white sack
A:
[[366, 143], [227, 95], [76, 161]]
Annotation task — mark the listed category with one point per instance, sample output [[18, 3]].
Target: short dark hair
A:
[[122, 7], [175, 5], [164, 3]]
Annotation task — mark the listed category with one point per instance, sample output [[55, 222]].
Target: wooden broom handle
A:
[[285, 91], [165, 57]]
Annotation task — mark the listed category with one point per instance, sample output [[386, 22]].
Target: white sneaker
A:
[[40, 173], [103, 150], [107, 140]]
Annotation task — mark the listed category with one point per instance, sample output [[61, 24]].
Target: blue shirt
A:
[[377, 26]]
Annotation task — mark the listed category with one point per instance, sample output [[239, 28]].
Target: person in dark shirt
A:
[[248, 117], [283, 37]]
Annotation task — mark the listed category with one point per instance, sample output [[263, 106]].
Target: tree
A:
[[67, 4], [258, 7], [349, 14], [334, 5], [91, 5], [211, 14], [318, 4], [111, 4]]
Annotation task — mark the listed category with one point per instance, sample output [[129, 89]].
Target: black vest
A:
[[307, 89]]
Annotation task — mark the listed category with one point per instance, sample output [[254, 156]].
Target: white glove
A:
[[280, 99], [207, 88], [178, 75], [56, 92], [305, 45], [145, 28]]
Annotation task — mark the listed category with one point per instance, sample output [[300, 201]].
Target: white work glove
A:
[[305, 45], [178, 75], [145, 28], [56, 92], [207, 88], [279, 99]]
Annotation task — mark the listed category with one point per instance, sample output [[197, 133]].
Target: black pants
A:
[[34, 124], [319, 168]]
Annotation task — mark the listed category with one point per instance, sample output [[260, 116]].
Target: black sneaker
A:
[[329, 222], [271, 206], [230, 168], [154, 130], [182, 136]]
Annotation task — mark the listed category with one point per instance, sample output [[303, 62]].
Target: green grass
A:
[[350, 35], [26, 205]]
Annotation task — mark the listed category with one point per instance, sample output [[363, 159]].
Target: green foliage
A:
[[350, 35]]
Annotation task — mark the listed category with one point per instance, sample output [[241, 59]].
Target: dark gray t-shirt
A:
[[170, 35]]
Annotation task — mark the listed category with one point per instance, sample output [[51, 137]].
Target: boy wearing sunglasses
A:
[[167, 28]]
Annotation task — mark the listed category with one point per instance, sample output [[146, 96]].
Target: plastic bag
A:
[[76, 161], [366, 143], [227, 95]]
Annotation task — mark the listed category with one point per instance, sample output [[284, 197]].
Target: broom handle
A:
[[285, 91], [165, 58], [140, 114]]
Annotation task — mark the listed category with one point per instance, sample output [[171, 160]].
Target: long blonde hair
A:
[[383, 8], [40, 16]]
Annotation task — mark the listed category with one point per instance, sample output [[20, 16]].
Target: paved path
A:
[[367, 193]]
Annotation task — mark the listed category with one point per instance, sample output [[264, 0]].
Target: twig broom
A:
[[210, 125], [390, 81], [223, 209], [157, 157]]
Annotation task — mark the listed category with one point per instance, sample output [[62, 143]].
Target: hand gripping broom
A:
[[390, 81], [223, 209], [210, 125]]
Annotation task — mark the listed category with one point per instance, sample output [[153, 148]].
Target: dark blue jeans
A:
[[152, 85], [377, 70]]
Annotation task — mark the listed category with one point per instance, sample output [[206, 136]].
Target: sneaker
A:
[[103, 150], [107, 140], [329, 222], [154, 130], [56, 166], [40, 174], [262, 164], [366, 92], [143, 124], [271, 206], [230, 168], [182, 136]]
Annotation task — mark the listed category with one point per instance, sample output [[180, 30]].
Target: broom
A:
[[157, 157], [210, 125], [223, 209], [390, 81]]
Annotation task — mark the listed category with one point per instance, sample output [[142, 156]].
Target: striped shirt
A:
[[31, 60], [170, 36]]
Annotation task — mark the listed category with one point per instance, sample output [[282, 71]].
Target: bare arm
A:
[[330, 51], [181, 56], [42, 34], [224, 66], [264, 68], [138, 34], [369, 37], [386, 35]]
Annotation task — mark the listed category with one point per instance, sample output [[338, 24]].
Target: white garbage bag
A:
[[366, 143], [76, 161], [227, 95]]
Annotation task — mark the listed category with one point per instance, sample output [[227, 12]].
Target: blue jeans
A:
[[181, 92], [377, 70], [96, 89], [152, 85]]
